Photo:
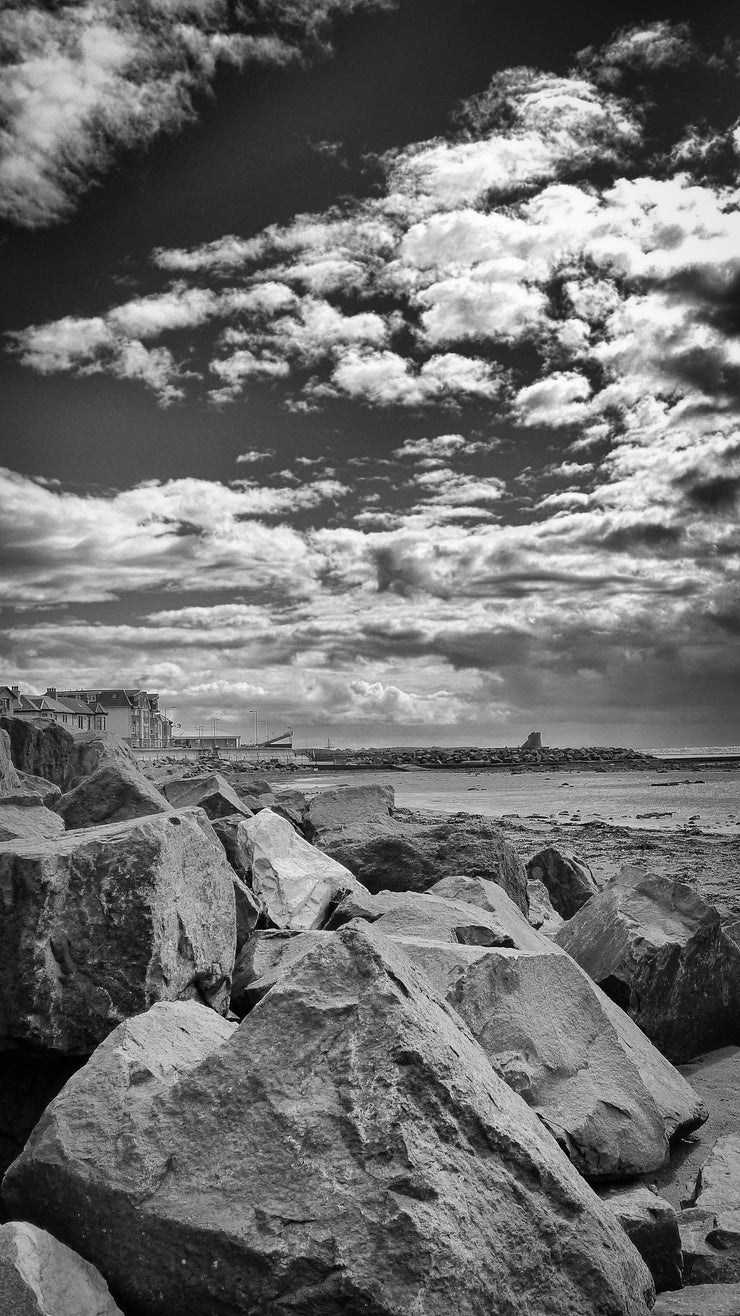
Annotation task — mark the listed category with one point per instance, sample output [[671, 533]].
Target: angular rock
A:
[[329, 813], [39, 1276], [48, 792], [569, 881], [98, 924], [700, 1300], [297, 883], [9, 780], [718, 1185], [112, 793], [412, 856], [23, 816], [347, 1149], [651, 1224], [608, 1097], [91, 750], [711, 1245], [660, 952], [542, 916], [264, 959], [38, 747], [439, 918], [212, 793]]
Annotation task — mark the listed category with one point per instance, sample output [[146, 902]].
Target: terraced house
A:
[[131, 714]]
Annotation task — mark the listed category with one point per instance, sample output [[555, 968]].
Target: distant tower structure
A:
[[533, 741]]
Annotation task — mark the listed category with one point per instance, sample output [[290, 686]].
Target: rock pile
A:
[[255, 1081]]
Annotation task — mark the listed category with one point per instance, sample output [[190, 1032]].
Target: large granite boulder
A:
[[329, 814], [347, 1149], [407, 855], [111, 793], [10, 782], [660, 952], [39, 1276], [569, 881], [38, 747], [99, 924], [652, 1225], [297, 883], [23, 816], [264, 959], [608, 1097], [437, 917], [211, 792], [91, 750]]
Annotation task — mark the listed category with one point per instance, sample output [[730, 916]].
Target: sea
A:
[[707, 799]]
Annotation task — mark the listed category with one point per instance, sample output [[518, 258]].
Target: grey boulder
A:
[[330, 813], [718, 1185], [39, 747], [409, 855], [608, 1097], [39, 1276], [100, 923], [211, 792], [111, 793], [542, 915], [568, 879], [297, 883], [346, 1150], [660, 952], [24, 816], [652, 1225]]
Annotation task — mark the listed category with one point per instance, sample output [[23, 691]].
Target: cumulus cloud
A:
[[83, 79], [560, 288]]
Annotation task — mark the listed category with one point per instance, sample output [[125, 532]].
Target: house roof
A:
[[76, 705]]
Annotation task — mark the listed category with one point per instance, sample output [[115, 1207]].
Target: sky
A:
[[374, 365]]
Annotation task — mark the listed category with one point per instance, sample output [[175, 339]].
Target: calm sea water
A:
[[708, 799]]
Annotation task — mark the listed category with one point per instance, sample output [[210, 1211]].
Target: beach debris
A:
[[39, 1276], [348, 1144], [296, 882], [109, 919], [662, 954], [568, 879], [651, 1223]]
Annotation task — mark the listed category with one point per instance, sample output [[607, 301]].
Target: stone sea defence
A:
[[266, 1051], [469, 757]]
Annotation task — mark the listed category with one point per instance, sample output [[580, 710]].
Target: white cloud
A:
[[560, 399], [82, 79]]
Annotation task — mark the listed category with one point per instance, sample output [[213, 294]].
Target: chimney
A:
[[16, 690], [51, 691]]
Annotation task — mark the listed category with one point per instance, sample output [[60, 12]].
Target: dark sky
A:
[[484, 397]]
